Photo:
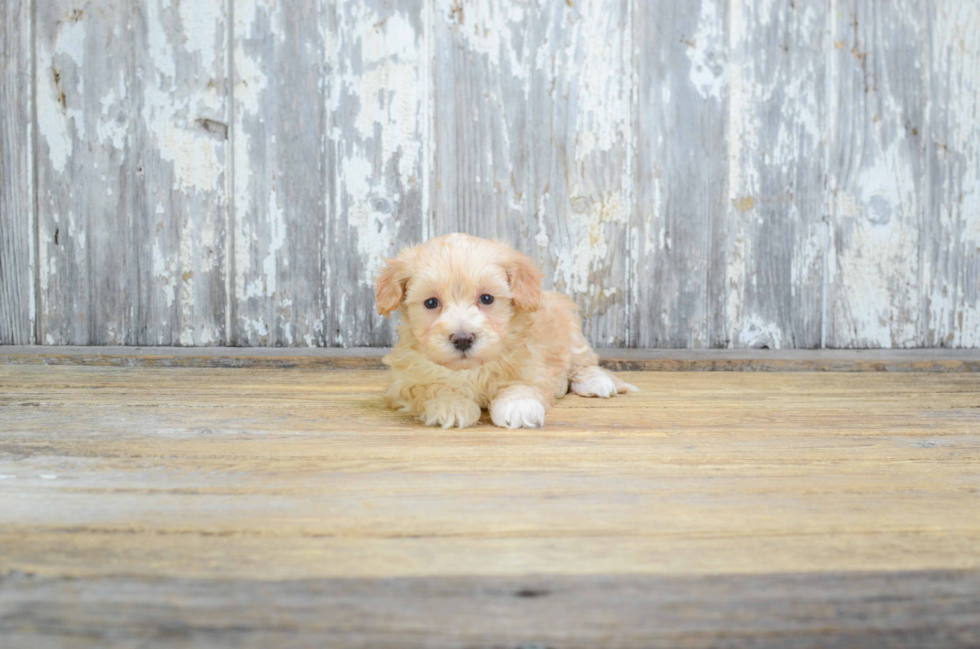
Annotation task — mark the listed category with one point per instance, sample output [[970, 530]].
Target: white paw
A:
[[450, 413], [593, 382], [526, 412]]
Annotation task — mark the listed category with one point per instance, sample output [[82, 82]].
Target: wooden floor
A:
[[149, 506]]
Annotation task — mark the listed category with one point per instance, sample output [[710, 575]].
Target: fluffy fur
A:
[[528, 347]]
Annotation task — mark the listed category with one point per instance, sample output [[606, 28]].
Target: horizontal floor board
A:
[[369, 358], [279, 506], [887, 609]]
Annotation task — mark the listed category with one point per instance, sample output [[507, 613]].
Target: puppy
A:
[[478, 332]]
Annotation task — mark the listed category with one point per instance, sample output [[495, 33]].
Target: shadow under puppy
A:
[[478, 332]]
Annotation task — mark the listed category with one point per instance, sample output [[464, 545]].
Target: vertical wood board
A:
[[578, 129], [377, 97], [281, 173], [775, 229], [952, 226], [680, 174], [130, 172], [17, 299], [876, 174]]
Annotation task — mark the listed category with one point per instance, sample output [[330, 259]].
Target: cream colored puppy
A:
[[478, 332]]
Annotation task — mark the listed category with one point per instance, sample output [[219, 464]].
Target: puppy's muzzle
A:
[[462, 341]]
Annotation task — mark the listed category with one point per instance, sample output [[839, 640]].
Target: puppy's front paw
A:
[[524, 412], [593, 382], [450, 413]]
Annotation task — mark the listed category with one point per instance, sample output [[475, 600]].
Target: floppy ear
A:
[[525, 281], [391, 285]]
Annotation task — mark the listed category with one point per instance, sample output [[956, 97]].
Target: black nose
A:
[[462, 341]]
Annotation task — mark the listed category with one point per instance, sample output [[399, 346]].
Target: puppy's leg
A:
[[517, 406], [622, 387], [592, 381], [449, 412], [586, 377]]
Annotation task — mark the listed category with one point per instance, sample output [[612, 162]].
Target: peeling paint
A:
[[884, 100], [596, 46], [757, 333], [574, 267], [383, 90], [169, 112], [58, 123], [706, 51], [489, 27]]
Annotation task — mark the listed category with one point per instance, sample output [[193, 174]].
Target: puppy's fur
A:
[[527, 346]]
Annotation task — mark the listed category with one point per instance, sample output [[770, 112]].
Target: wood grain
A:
[[132, 128], [818, 505], [890, 609], [951, 288], [775, 227], [531, 141], [480, 70], [17, 216], [877, 174], [709, 174], [88, 145], [282, 172], [379, 97], [579, 92], [181, 165], [680, 169]]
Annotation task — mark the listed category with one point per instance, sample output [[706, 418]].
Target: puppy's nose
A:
[[462, 341]]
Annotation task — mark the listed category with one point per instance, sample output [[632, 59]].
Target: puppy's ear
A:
[[525, 281], [391, 285]]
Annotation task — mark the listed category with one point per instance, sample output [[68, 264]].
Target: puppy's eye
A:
[[486, 299], [431, 303]]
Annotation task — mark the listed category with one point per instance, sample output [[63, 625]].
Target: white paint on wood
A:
[[951, 280], [386, 86], [775, 232], [718, 173], [376, 121], [280, 181], [680, 192], [876, 174], [132, 131]]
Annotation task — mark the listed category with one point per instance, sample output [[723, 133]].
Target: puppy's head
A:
[[459, 295]]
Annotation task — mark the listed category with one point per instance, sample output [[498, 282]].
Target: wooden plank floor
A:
[[148, 506]]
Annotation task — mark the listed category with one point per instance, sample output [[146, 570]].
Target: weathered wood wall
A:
[[709, 173]]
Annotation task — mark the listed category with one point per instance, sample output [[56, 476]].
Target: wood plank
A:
[[87, 200], [680, 174], [282, 172], [180, 161], [775, 225], [577, 148], [274, 506], [891, 609], [624, 360], [325, 188], [531, 136], [952, 228], [877, 174], [131, 173], [17, 216], [201, 473], [377, 132], [480, 78]]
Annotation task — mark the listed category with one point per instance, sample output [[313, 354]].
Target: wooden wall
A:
[[706, 173]]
